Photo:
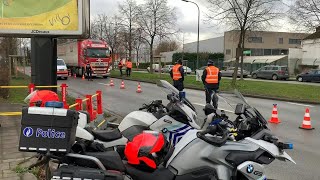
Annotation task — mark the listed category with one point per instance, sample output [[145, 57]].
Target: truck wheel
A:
[[105, 77]]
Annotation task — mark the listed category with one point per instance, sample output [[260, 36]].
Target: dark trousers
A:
[[89, 75], [128, 71], [178, 85], [120, 69], [212, 96]]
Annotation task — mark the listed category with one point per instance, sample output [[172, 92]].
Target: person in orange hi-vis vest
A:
[[177, 75], [211, 79], [129, 67]]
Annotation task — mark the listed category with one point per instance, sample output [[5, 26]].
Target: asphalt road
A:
[[306, 143]]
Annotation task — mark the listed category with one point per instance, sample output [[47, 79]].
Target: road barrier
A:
[[78, 104], [31, 87]]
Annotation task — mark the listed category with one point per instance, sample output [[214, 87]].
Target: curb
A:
[[247, 95]]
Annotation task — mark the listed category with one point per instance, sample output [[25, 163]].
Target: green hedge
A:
[[203, 58]]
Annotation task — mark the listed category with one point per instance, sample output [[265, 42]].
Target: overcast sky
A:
[[187, 18]]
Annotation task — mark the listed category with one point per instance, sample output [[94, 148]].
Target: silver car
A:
[[228, 72], [167, 68], [271, 72]]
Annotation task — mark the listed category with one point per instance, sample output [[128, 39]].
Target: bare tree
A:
[[166, 46], [156, 20], [305, 14], [108, 29], [138, 41], [243, 15], [128, 11]]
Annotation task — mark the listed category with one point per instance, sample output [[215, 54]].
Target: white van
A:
[[156, 68], [62, 70]]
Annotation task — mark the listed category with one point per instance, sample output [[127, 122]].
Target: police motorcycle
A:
[[174, 120], [225, 150]]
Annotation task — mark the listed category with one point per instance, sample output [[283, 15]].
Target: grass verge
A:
[[270, 90]]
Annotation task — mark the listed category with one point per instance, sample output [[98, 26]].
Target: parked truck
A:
[[75, 53]]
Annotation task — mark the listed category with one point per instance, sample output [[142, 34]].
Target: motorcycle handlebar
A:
[[216, 141]]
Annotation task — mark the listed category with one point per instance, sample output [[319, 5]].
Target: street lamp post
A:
[[198, 30]]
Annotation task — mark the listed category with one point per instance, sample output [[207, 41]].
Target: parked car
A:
[[167, 68], [156, 68], [62, 70], [228, 72], [310, 76], [271, 72], [187, 70]]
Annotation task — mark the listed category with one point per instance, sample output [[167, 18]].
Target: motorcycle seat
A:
[[107, 135], [158, 174]]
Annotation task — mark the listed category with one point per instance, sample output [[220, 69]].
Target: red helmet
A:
[[42, 97], [146, 150]]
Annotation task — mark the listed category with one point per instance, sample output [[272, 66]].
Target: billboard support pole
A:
[[44, 62]]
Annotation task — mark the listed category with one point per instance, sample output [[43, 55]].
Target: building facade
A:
[[311, 49], [262, 43]]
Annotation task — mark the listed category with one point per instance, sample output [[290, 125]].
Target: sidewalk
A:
[[9, 141]]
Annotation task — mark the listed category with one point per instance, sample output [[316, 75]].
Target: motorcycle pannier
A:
[[75, 172], [46, 129]]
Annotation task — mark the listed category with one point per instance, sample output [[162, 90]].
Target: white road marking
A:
[[306, 105], [219, 108], [104, 84]]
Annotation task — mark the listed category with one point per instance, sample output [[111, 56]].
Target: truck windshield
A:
[[98, 53], [60, 62]]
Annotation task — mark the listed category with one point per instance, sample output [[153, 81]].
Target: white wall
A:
[[311, 51], [294, 59], [167, 56], [213, 45]]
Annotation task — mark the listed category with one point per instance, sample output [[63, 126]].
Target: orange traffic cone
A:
[[75, 75], [306, 123], [122, 85], [69, 74], [111, 83], [274, 118], [139, 88], [83, 77]]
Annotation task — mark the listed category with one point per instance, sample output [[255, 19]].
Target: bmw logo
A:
[[250, 168], [27, 132]]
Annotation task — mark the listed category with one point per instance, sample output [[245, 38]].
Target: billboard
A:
[[30, 18]]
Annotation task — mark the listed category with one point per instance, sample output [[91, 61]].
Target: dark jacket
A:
[[210, 86]]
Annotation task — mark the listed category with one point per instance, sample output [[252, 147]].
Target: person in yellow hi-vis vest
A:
[[211, 79]]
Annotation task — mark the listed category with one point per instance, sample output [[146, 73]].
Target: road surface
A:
[[306, 143]]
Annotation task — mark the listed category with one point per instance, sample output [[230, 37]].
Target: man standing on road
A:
[[177, 75], [129, 67], [211, 79], [88, 69], [120, 65]]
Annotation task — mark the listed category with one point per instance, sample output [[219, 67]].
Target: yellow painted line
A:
[[73, 105], [10, 113], [12, 87]]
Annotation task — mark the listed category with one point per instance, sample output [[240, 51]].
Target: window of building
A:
[[228, 51], [294, 41], [256, 52], [255, 39], [275, 51], [284, 52], [267, 52], [280, 40]]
